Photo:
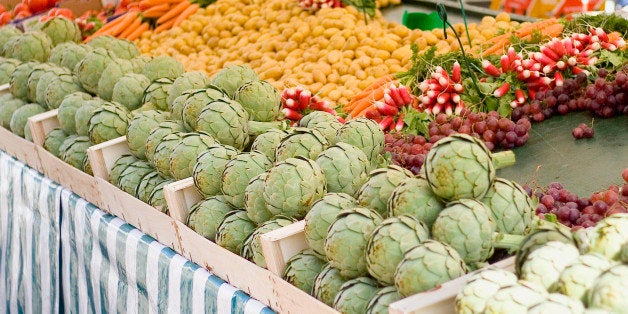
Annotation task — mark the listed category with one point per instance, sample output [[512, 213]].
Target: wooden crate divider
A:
[[180, 197], [41, 124], [279, 245], [103, 156]]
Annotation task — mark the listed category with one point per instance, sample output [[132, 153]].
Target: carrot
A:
[[362, 104], [109, 25], [136, 23], [138, 32], [159, 7], [176, 10], [553, 30], [151, 3], [363, 112], [124, 23], [497, 48], [528, 29], [154, 14], [164, 26], [184, 15], [376, 84]]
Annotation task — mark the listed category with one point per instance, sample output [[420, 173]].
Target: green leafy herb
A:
[[609, 23], [421, 65], [365, 6], [417, 123]]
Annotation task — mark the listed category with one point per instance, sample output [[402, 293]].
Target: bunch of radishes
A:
[[388, 111], [298, 101], [441, 92], [319, 4]]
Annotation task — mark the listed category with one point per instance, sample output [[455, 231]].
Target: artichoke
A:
[[194, 104], [56, 53], [327, 285], [108, 122], [185, 82], [178, 104], [139, 62], [44, 81], [576, 279], [118, 167], [543, 265], [610, 290], [322, 214], [260, 99], [379, 187], [53, 141], [163, 67], [33, 78], [238, 172], [302, 269], [67, 111], [157, 93], [8, 32], [209, 167], [538, 238], [206, 215], [55, 92], [301, 142], [268, 141], [387, 244], [515, 299], [480, 288], [156, 135], [233, 230], [30, 46], [322, 121], [252, 248], [90, 68], [460, 166], [381, 300], [414, 197], [156, 198], [18, 85], [292, 186], [7, 67], [20, 116], [364, 134], [122, 48], [254, 203], [139, 128], [346, 241], [226, 121], [59, 30], [232, 77], [111, 75], [74, 149], [355, 294], [163, 151], [557, 303], [84, 114], [609, 235], [186, 153], [468, 227], [132, 175], [73, 55], [129, 90], [148, 184], [87, 167], [510, 206], [7, 108], [426, 266], [346, 168]]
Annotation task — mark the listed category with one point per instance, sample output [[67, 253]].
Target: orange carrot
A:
[[528, 29], [159, 7], [175, 11], [376, 84], [138, 32], [363, 112], [184, 15], [497, 48], [154, 14], [164, 26], [126, 21], [362, 104], [109, 25], [136, 23]]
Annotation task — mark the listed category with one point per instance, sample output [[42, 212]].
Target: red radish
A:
[[448, 109], [304, 98], [455, 74], [558, 79], [385, 109], [394, 93], [458, 88], [502, 90], [423, 86], [431, 94], [459, 107], [490, 69], [609, 46], [443, 98], [548, 52], [386, 122], [388, 100], [512, 55], [321, 105], [372, 114], [514, 104], [505, 62], [290, 103], [400, 123], [568, 45], [520, 96], [561, 65], [572, 61], [292, 114], [405, 94], [455, 98], [436, 109], [531, 93], [289, 93]]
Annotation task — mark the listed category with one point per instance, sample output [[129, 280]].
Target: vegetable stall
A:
[[320, 156]]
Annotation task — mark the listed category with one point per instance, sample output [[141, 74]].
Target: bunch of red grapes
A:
[[407, 151]]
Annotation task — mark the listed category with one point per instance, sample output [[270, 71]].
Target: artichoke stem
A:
[[256, 127], [511, 242], [503, 159]]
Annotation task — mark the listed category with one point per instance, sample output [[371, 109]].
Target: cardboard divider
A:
[[180, 197]]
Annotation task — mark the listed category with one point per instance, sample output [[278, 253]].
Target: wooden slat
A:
[[103, 156], [41, 124], [20, 148], [278, 246], [180, 197]]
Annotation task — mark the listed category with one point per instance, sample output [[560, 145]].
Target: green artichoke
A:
[[252, 247], [90, 68], [268, 141], [481, 287], [543, 265], [414, 197], [610, 290], [538, 238], [55, 92], [129, 90], [322, 121], [53, 141], [346, 168], [18, 85], [364, 134], [254, 203], [20, 116], [226, 121], [515, 299], [7, 108], [84, 114], [73, 55], [576, 279], [8, 32], [379, 187], [426, 266], [59, 30], [157, 93], [206, 215], [511, 207], [148, 184], [557, 303], [56, 53], [186, 153], [233, 230], [30, 46], [119, 166], [194, 104], [347, 238], [87, 167], [260, 99], [232, 77], [178, 104], [302, 269], [163, 151], [67, 111], [74, 149], [292, 186], [381, 300], [108, 122], [111, 75], [33, 78], [156, 198], [238, 172], [460, 166], [387, 244], [322, 214], [609, 235], [185, 82], [156, 135], [163, 67], [301, 142], [355, 294], [139, 62], [327, 285], [132, 175], [209, 167], [7, 67], [44, 81], [139, 128], [122, 48]]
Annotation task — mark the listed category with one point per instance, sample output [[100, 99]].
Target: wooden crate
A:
[[103, 156], [180, 197], [281, 244]]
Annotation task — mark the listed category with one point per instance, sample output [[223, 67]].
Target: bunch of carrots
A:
[[165, 14], [548, 28]]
